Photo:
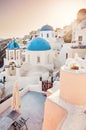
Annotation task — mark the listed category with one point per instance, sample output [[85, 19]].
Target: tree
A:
[[67, 34], [68, 37]]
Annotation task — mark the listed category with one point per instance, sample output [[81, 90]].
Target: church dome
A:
[[38, 44], [13, 45], [46, 28]]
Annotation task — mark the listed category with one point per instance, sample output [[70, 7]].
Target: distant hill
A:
[[3, 46]]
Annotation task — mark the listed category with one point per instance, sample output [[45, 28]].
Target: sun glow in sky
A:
[[19, 17]]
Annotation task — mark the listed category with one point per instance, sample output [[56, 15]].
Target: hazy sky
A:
[[19, 17]]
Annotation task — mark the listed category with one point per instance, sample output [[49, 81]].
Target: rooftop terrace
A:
[[32, 108]]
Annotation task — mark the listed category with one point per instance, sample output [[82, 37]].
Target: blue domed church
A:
[[47, 32], [13, 58], [38, 53]]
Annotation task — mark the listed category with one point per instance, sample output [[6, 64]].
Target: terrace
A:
[[32, 110]]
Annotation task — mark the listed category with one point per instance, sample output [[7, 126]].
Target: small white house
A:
[[79, 33]]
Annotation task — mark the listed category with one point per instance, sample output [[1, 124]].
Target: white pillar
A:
[[19, 57], [7, 54], [13, 55]]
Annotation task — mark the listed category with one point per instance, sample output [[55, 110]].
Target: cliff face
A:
[[3, 46], [2, 55], [81, 15]]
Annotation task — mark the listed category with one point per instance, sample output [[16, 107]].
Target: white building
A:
[[78, 45], [47, 32], [13, 53], [36, 60], [39, 52], [79, 33], [13, 60]]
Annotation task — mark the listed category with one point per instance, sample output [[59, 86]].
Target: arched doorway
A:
[[12, 69]]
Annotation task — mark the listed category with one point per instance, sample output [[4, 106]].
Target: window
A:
[[66, 55], [38, 59], [42, 35], [79, 38], [17, 55], [47, 35], [11, 55]]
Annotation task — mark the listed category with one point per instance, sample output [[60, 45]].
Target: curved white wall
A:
[[43, 56]]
